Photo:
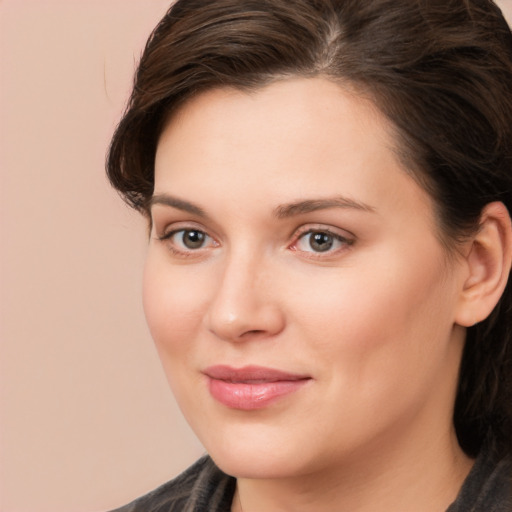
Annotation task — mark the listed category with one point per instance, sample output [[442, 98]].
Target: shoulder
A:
[[488, 487], [202, 487]]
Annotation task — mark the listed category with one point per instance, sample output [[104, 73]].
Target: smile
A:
[[251, 387]]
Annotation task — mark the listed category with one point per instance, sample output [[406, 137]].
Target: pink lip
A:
[[251, 387]]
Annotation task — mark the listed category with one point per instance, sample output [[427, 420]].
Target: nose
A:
[[244, 306]]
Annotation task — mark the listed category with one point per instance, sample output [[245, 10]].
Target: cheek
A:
[[172, 304], [388, 309], [381, 340]]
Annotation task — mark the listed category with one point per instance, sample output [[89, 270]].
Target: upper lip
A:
[[248, 374]]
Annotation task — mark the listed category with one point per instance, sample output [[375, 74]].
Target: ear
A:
[[488, 261]]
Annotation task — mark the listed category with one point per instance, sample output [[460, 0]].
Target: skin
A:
[[373, 321]]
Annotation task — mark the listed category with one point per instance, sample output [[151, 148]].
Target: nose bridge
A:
[[243, 304]]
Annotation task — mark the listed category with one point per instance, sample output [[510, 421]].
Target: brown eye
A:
[[185, 240], [321, 242], [192, 238]]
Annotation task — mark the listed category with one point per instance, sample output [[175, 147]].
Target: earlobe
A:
[[488, 264]]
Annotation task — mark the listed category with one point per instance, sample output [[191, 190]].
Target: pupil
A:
[[193, 239], [321, 242]]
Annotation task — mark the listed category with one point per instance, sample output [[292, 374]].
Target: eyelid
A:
[[325, 228], [166, 229], [166, 234], [341, 235]]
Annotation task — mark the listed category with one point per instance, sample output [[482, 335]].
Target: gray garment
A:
[[205, 488], [488, 487]]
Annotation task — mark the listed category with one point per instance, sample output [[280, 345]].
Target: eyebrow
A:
[[180, 204], [311, 205], [281, 212]]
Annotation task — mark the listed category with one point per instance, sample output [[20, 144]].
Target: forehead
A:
[[293, 139], [303, 116]]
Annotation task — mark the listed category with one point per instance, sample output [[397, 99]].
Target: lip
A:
[[251, 387]]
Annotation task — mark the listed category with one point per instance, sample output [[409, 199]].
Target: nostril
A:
[[252, 333]]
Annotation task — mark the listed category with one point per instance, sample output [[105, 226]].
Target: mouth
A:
[[251, 387]]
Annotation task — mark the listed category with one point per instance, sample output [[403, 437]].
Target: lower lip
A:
[[251, 396]]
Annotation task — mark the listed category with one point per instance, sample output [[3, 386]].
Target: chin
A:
[[255, 466], [249, 453]]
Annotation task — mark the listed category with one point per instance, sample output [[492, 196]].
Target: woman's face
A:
[[295, 286]]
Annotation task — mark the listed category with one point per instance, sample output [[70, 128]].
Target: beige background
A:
[[87, 422]]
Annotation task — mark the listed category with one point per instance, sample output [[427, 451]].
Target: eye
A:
[[185, 240], [191, 238], [320, 241]]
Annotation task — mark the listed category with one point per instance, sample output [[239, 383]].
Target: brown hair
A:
[[440, 70]]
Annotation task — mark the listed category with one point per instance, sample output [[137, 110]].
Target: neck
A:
[[414, 477]]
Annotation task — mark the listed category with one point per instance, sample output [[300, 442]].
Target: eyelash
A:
[[185, 252], [300, 235], [336, 237]]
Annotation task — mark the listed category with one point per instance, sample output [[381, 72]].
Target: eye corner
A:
[[184, 240], [329, 243]]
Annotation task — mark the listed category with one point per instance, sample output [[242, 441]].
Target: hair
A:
[[439, 70]]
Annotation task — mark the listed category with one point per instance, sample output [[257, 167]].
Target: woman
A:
[[327, 184]]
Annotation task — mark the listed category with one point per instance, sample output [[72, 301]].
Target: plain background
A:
[[87, 421]]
